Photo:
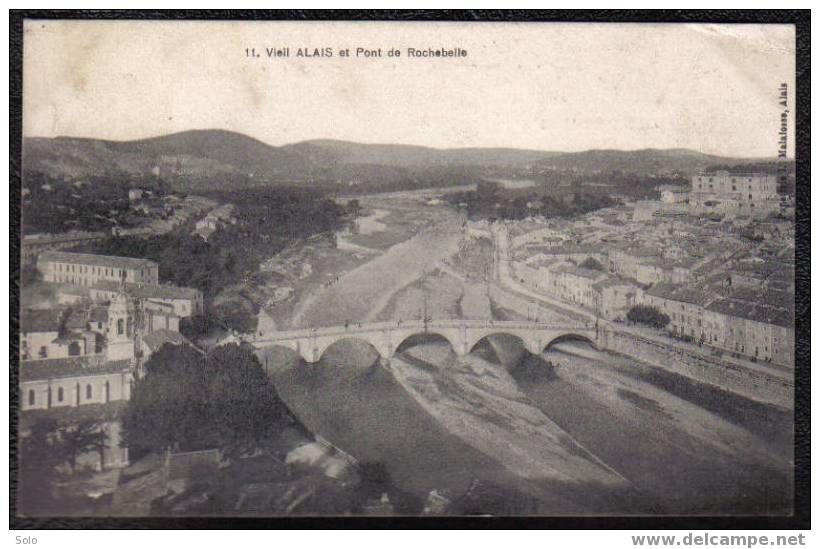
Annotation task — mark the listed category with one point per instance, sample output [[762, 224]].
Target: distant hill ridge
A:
[[221, 153]]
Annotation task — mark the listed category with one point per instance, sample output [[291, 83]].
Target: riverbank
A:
[[681, 444], [361, 294], [362, 407]]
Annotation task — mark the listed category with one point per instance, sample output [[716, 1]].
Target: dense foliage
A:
[[491, 201], [98, 203], [592, 263], [645, 314], [267, 220], [191, 401], [46, 446]]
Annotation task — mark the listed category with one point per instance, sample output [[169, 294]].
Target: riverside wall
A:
[[754, 384]]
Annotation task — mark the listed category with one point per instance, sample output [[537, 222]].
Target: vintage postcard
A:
[[406, 269]]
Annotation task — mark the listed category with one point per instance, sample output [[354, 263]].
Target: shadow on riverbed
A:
[[358, 405], [771, 423], [661, 455]]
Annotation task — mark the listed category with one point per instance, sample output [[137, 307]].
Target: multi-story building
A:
[[758, 331], [758, 324], [684, 307], [89, 269], [731, 194], [575, 284], [184, 302], [615, 297]]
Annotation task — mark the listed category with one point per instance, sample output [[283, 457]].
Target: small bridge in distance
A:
[[387, 337]]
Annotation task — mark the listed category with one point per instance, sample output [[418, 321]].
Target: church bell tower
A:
[[121, 327]]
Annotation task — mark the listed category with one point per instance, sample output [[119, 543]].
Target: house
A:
[[575, 284], [153, 342], [206, 227], [211, 223], [625, 260], [673, 194], [184, 302], [38, 330], [54, 333], [615, 298]]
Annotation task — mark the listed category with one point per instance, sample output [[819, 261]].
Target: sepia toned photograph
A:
[[282, 269]]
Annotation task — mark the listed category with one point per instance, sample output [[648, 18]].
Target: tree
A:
[[75, 440], [487, 190], [645, 314], [173, 391], [518, 208], [37, 467], [194, 325], [592, 263], [192, 401], [245, 406]]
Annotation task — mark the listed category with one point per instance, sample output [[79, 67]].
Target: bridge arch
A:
[[569, 336], [477, 338], [317, 353], [442, 334]]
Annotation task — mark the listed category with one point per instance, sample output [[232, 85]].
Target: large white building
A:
[[734, 194], [89, 269]]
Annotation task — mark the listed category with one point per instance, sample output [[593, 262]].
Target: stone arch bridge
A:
[[463, 335]]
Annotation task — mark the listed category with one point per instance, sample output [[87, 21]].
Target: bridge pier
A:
[[534, 346]]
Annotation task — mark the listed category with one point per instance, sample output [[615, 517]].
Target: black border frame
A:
[[801, 519]]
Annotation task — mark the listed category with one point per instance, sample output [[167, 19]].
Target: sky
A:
[[555, 86]]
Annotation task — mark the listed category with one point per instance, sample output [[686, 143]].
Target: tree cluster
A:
[[192, 401], [491, 201], [645, 314], [266, 221], [46, 447]]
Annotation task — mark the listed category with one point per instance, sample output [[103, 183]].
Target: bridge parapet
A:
[[358, 328], [386, 337]]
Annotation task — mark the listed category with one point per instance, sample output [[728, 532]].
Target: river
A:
[[590, 434], [571, 432]]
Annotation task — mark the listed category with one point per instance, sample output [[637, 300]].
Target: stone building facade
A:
[[88, 269]]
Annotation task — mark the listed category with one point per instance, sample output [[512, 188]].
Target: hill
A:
[[209, 159], [683, 161], [411, 156]]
